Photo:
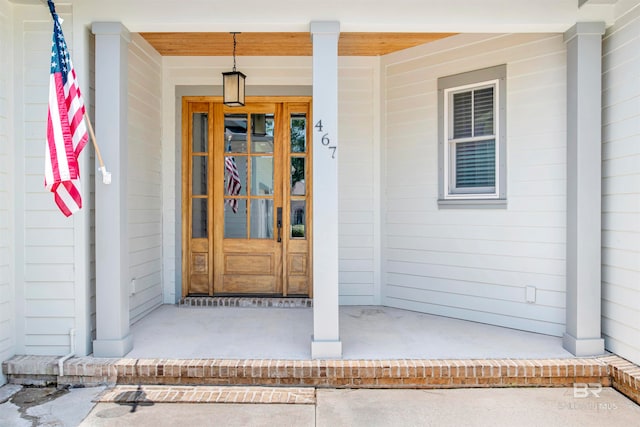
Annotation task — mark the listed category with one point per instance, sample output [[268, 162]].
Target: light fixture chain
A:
[[234, 51]]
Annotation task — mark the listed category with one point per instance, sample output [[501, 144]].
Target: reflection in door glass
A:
[[262, 219], [235, 219], [298, 219], [262, 133], [298, 133], [235, 176], [199, 219], [297, 176], [235, 133], [261, 175], [200, 132]]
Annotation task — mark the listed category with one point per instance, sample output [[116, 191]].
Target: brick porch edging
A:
[[402, 373], [625, 377]]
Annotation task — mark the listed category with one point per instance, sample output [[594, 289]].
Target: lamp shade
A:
[[233, 88]]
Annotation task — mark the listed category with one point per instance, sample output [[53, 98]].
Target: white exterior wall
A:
[[474, 264], [358, 83], [621, 187], [358, 181], [7, 288], [400, 15], [145, 177], [47, 260], [51, 258]]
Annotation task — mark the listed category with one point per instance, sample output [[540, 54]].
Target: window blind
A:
[[475, 164]]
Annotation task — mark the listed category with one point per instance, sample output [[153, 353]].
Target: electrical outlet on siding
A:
[[133, 287], [530, 294]]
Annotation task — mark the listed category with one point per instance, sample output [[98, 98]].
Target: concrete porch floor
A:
[[178, 346], [367, 332]]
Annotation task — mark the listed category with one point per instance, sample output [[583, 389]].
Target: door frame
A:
[[213, 183]]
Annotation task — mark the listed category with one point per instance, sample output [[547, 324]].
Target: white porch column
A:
[[584, 130], [325, 342], [112, 248]]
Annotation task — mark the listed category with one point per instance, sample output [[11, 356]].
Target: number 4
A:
[[319, 125]]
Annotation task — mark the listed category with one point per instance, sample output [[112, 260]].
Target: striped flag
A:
[[233, 182], [66, 129]]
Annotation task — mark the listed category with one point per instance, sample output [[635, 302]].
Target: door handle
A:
[[279, 224]]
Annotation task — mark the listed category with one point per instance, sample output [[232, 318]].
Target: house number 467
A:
[[326, 141]]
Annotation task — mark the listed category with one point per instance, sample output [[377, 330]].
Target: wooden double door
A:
[[246, 197]]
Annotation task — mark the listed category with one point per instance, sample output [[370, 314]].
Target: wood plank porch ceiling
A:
[[282, 44]]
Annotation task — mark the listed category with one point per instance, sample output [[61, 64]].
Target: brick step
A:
[[365, 373], [142, 394], [403, 373], [408, 373]]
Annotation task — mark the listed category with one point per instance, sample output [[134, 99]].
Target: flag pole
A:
[[106, 176]]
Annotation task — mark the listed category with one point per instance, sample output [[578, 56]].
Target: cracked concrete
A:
[[45, 406], [29, 397]]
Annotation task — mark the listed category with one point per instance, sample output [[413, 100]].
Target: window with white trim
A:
[[472, 141]]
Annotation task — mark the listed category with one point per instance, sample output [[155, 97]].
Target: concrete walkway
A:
[[335, 408]]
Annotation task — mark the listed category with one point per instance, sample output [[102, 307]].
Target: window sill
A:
[[472, 204]]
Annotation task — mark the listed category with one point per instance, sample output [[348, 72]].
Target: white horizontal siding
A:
[[621, 187], [48, 262], [474, 264], [144, 174], [357, 81], [7, 283]]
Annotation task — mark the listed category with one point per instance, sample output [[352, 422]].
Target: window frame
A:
[[449, 195]]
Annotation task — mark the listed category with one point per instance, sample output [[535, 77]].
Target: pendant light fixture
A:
[[233, 83]]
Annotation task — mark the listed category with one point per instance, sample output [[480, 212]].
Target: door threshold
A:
[[246, 302]]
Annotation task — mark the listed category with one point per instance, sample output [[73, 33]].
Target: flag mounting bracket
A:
[[106, 176]]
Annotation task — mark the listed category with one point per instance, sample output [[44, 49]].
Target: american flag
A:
[[233, 182], [66, 129]]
